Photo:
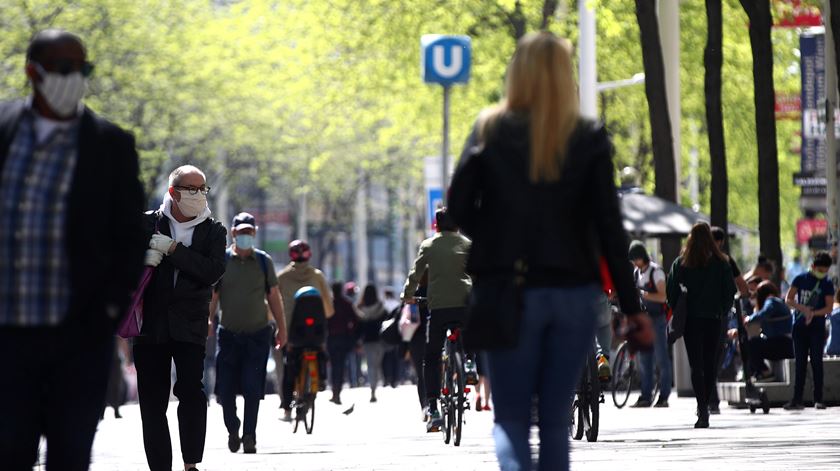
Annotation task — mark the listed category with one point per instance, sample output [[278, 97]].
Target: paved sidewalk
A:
[[389, 435]]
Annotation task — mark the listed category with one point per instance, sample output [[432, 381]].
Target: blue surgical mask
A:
[[245, 242]]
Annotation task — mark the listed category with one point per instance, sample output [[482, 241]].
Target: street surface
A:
[[389, 435]]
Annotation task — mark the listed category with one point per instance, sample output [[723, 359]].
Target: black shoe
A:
[[249, 444], [642, 403], [702, 421], [336, 400], [373, 399], [793, 405], [661, 403], [234, 442]]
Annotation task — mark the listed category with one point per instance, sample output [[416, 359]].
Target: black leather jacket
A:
[[179, 311], [559, 230]]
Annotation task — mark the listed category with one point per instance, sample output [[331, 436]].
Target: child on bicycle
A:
[[308, 332]]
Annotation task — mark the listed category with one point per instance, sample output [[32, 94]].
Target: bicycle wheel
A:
[[309, 418], [623, 368], [446, 406], [577, 420], [594, 393], [459, 398]]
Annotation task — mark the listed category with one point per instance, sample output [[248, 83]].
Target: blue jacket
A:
[[776, 319], [833, 346]]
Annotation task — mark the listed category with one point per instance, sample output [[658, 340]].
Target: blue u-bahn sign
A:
[[445, 59]]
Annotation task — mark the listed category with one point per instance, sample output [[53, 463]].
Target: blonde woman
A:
[[535, 192]]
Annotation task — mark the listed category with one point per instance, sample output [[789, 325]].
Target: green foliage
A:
[[300, 96]]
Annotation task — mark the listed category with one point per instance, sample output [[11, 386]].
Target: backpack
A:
[[262, 257]]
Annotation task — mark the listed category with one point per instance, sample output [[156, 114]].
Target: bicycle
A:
[[453, 391], [625, 374], [306, 388], [586, 403]]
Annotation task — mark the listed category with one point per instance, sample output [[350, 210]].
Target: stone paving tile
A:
[[389, 436]]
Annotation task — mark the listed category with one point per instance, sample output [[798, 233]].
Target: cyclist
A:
[[307, 331], [297, 274], [444, 257], [650, 280]]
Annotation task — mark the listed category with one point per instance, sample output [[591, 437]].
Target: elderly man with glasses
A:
[[63, 286], [187, 247]]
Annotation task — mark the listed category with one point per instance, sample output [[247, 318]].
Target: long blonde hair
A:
[[540, 84]]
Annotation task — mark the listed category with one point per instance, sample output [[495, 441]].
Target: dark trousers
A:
[[714, 400], [808, 340], [153, 363], [761, 349], [417, 349], [701, 344], [391, 366], [240, 368], [54, 385], [288, 387], [338, 347], [439, 321]]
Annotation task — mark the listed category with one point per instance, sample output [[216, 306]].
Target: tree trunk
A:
[[660, 122], [835, 31], [549, 8], [713, 61], [761, 23]]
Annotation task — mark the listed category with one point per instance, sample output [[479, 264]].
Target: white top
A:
[[644, 276]]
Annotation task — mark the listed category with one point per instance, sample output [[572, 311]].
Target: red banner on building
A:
[[793, 14], [788, 106], [806, 229]]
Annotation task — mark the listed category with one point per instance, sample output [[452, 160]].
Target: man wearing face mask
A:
[[244, 339], [187, 247], [62, 289]]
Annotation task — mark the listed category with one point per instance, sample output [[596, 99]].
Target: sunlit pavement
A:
[[389, 435]]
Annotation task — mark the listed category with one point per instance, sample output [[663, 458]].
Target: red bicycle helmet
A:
[[299, 251]]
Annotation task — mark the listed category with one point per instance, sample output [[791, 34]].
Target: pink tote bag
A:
[[133, 320]]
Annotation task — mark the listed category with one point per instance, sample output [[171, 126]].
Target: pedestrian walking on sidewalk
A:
[[650, 280], [71, 252], [188, 249], [535, 192], [341, 339], [811, 296], [704, 271], [371, 315], [245, 335]]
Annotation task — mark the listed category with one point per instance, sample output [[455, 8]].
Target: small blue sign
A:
[[435, 201], [445, 59]]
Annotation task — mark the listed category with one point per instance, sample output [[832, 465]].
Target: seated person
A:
[[833, 345], [775, 341], [308, 332]]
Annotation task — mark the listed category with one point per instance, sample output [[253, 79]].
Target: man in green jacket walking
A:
[[444, 256]]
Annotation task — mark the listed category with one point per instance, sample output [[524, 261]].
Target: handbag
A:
[[132, 322], [389, 333], [408, 326], [494, 311], [676, 326]]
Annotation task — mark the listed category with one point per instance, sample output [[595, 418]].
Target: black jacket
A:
[[104, 232], [560, 230], [179, 311]]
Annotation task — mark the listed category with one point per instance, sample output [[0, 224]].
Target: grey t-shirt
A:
[[242, 293]]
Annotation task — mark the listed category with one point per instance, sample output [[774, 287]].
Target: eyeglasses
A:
[[193, 190], [67, 67]]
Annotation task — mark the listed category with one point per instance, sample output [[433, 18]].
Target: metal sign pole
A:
[[830, 138], [445, 153]]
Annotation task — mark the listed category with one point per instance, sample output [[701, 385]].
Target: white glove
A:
[[162, 243], [153, 258]]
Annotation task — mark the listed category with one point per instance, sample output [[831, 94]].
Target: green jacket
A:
[[444, 255], [711, 289]]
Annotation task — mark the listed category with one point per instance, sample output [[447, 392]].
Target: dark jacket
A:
[[561, 229], [104, 232], [343, 322], [711, 289], [180, 312]]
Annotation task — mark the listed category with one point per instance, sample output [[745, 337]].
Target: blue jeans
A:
[[240, 369], [557, 332], [663, 362]]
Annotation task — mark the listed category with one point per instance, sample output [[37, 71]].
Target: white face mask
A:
[[192, 205], [63, 93]]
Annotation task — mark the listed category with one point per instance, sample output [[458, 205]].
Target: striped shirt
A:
[[34, 189]]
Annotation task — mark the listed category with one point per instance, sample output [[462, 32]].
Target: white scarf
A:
[[182, 232]]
